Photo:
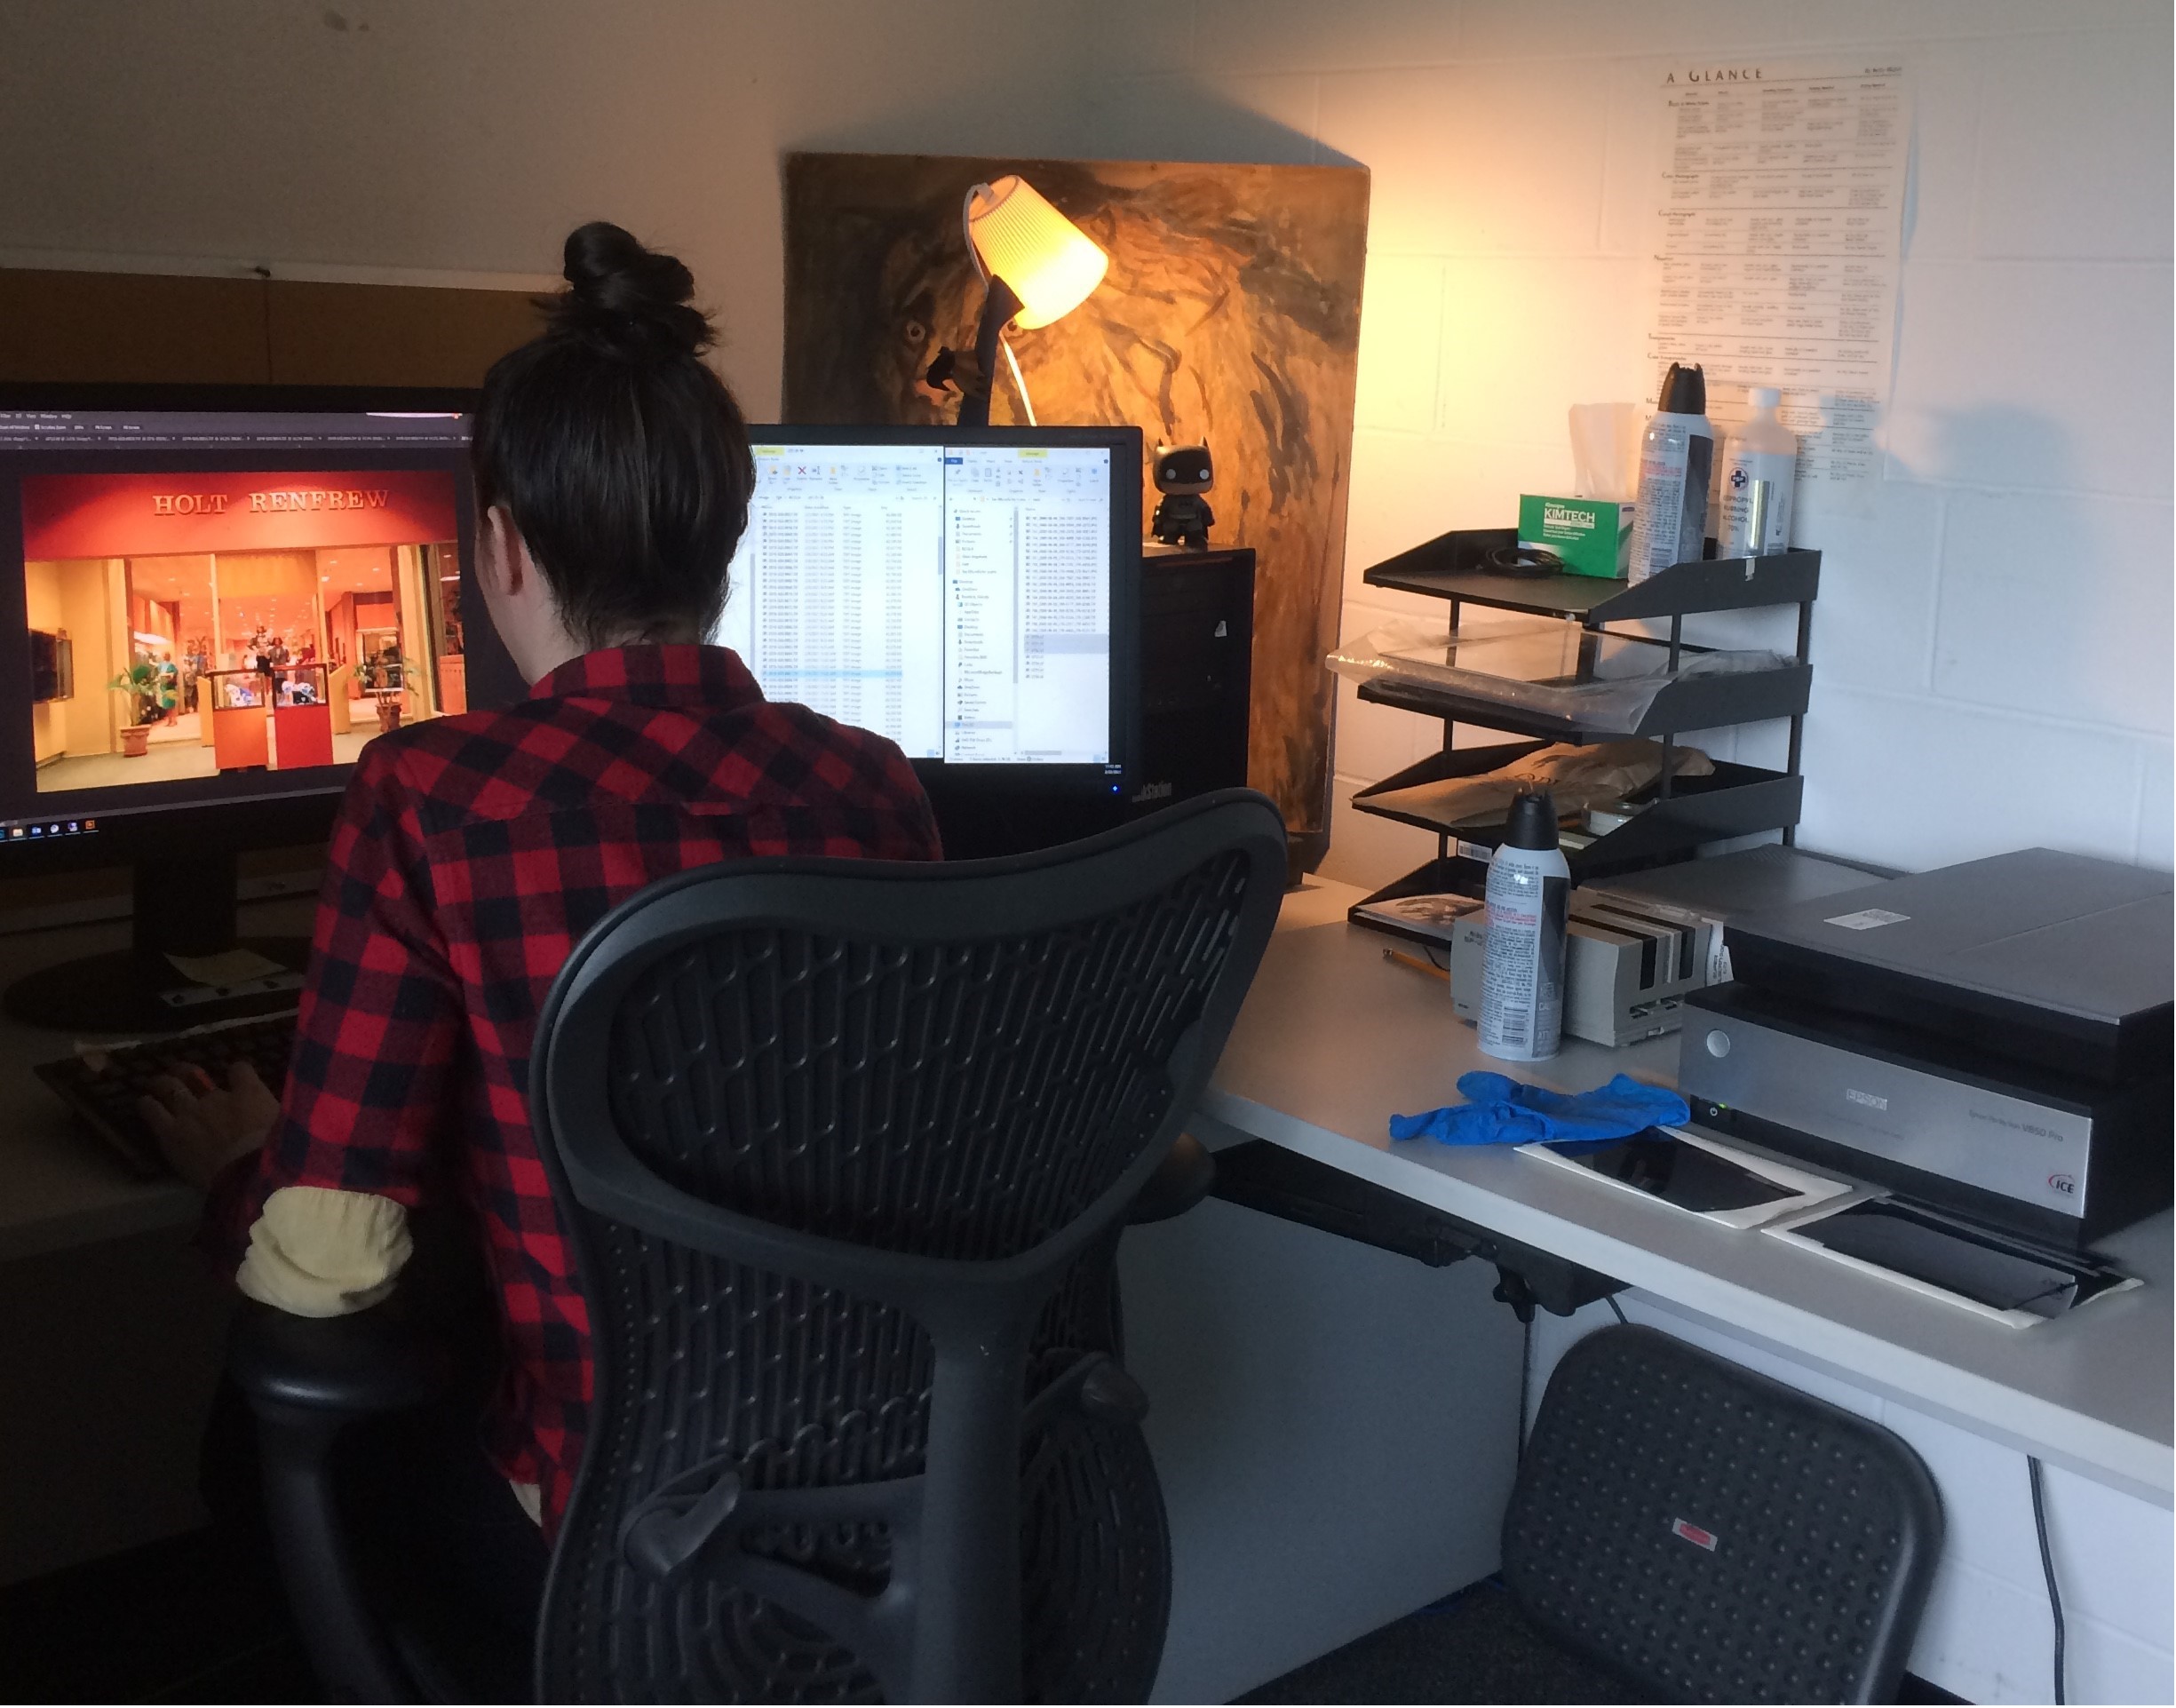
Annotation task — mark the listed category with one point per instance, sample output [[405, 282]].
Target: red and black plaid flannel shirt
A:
[[472, 852]]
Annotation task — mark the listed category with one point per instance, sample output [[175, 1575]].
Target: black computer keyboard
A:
[[102, 1086]]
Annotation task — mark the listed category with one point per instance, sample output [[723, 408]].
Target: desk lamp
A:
[[1039, 266]]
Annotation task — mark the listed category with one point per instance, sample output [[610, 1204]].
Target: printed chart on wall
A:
[[1781, 217]]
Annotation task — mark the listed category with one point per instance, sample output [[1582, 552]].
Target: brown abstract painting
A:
[[1230, 315]]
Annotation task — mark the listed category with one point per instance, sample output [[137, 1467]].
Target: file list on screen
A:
[[955, 599]]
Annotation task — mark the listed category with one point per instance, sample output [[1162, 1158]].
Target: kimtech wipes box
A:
[[1591, 536]]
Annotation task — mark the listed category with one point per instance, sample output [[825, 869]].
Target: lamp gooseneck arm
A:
[[998, 307]]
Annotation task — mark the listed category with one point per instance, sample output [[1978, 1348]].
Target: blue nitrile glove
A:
[[1501, 1111]]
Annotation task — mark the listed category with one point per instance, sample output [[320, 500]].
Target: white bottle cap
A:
[[1763, 397]]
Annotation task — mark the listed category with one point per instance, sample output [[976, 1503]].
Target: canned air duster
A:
[[1523, 972]]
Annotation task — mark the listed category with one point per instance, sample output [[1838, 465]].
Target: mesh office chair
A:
[[844, 1149], [1707, 1535]]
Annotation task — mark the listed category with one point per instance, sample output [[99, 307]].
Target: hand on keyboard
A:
[[187, 1084], [202, 1126]]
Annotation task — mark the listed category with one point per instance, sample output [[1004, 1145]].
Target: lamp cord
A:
[[1526, 1386], [2047, 1564], [1012, 362]]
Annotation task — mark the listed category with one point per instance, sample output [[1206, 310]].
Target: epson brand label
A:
[[1866, 1099]]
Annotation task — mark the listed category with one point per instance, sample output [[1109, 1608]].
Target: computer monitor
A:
[[971, 594], [222, 595]]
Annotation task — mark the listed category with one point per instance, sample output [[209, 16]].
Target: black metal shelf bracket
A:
[[1453, 568], [1261, 1176]]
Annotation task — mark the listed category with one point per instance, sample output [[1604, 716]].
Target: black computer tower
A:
[[1196, 672]]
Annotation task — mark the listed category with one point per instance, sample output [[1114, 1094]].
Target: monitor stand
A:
[[989, 826], [184, 911]]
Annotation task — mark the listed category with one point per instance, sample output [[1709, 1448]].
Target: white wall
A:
[[1991, 654], [1992, 645], [466, 137]]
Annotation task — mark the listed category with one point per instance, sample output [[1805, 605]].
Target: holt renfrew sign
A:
[[214, 503]]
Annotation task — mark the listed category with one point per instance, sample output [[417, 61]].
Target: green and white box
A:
[[1591, 536]]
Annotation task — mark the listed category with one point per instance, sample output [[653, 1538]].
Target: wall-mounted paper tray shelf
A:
[[1450, 566], [1735, 800], [1688, 702]]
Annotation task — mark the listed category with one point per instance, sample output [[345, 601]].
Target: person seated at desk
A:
[[613, 480]]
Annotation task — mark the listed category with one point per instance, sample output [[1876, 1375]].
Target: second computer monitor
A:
[[969, 595]]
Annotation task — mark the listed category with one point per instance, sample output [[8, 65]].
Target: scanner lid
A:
[[2055, 946]]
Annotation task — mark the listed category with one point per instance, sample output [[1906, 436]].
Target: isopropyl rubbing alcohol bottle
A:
[[1759, 465], [1523, 972], [1677, 458]]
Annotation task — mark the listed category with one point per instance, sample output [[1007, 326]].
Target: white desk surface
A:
[[59, 1186], [1334, 1039]]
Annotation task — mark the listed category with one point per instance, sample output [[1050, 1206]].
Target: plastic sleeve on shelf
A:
[[1606, 681]]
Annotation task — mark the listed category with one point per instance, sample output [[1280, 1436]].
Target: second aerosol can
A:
[[1523, 973]]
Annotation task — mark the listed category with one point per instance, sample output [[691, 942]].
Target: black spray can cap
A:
[[1684, 391], [1532, 824]]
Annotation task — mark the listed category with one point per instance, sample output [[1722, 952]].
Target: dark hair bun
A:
[[626, 297]]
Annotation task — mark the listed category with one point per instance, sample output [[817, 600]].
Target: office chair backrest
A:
[[1713, 1536], [844, 1147]]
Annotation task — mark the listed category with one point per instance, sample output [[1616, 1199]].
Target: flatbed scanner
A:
[[1993, 1038]]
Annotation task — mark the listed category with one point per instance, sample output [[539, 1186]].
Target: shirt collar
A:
[[678, 674]]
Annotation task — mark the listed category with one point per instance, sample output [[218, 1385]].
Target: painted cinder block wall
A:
[[1992, 643]]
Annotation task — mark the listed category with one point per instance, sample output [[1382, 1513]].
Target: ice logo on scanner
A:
[[2065, 1184]]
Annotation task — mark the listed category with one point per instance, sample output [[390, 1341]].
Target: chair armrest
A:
[[308, 1379], [375, 1360], [1182, 1180], [436, 1332]]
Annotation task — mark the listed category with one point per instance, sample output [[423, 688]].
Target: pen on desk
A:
[[1417, 964]]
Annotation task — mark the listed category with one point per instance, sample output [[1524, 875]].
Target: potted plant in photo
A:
[[390, 685], [151, 695]]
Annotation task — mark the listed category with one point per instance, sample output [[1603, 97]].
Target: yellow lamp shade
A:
[[1048, 261]]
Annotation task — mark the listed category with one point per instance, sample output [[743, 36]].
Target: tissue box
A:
[[1591, 536]]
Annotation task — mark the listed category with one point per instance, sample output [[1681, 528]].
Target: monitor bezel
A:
[[301, 816], [185, 831], [1081, 783]]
